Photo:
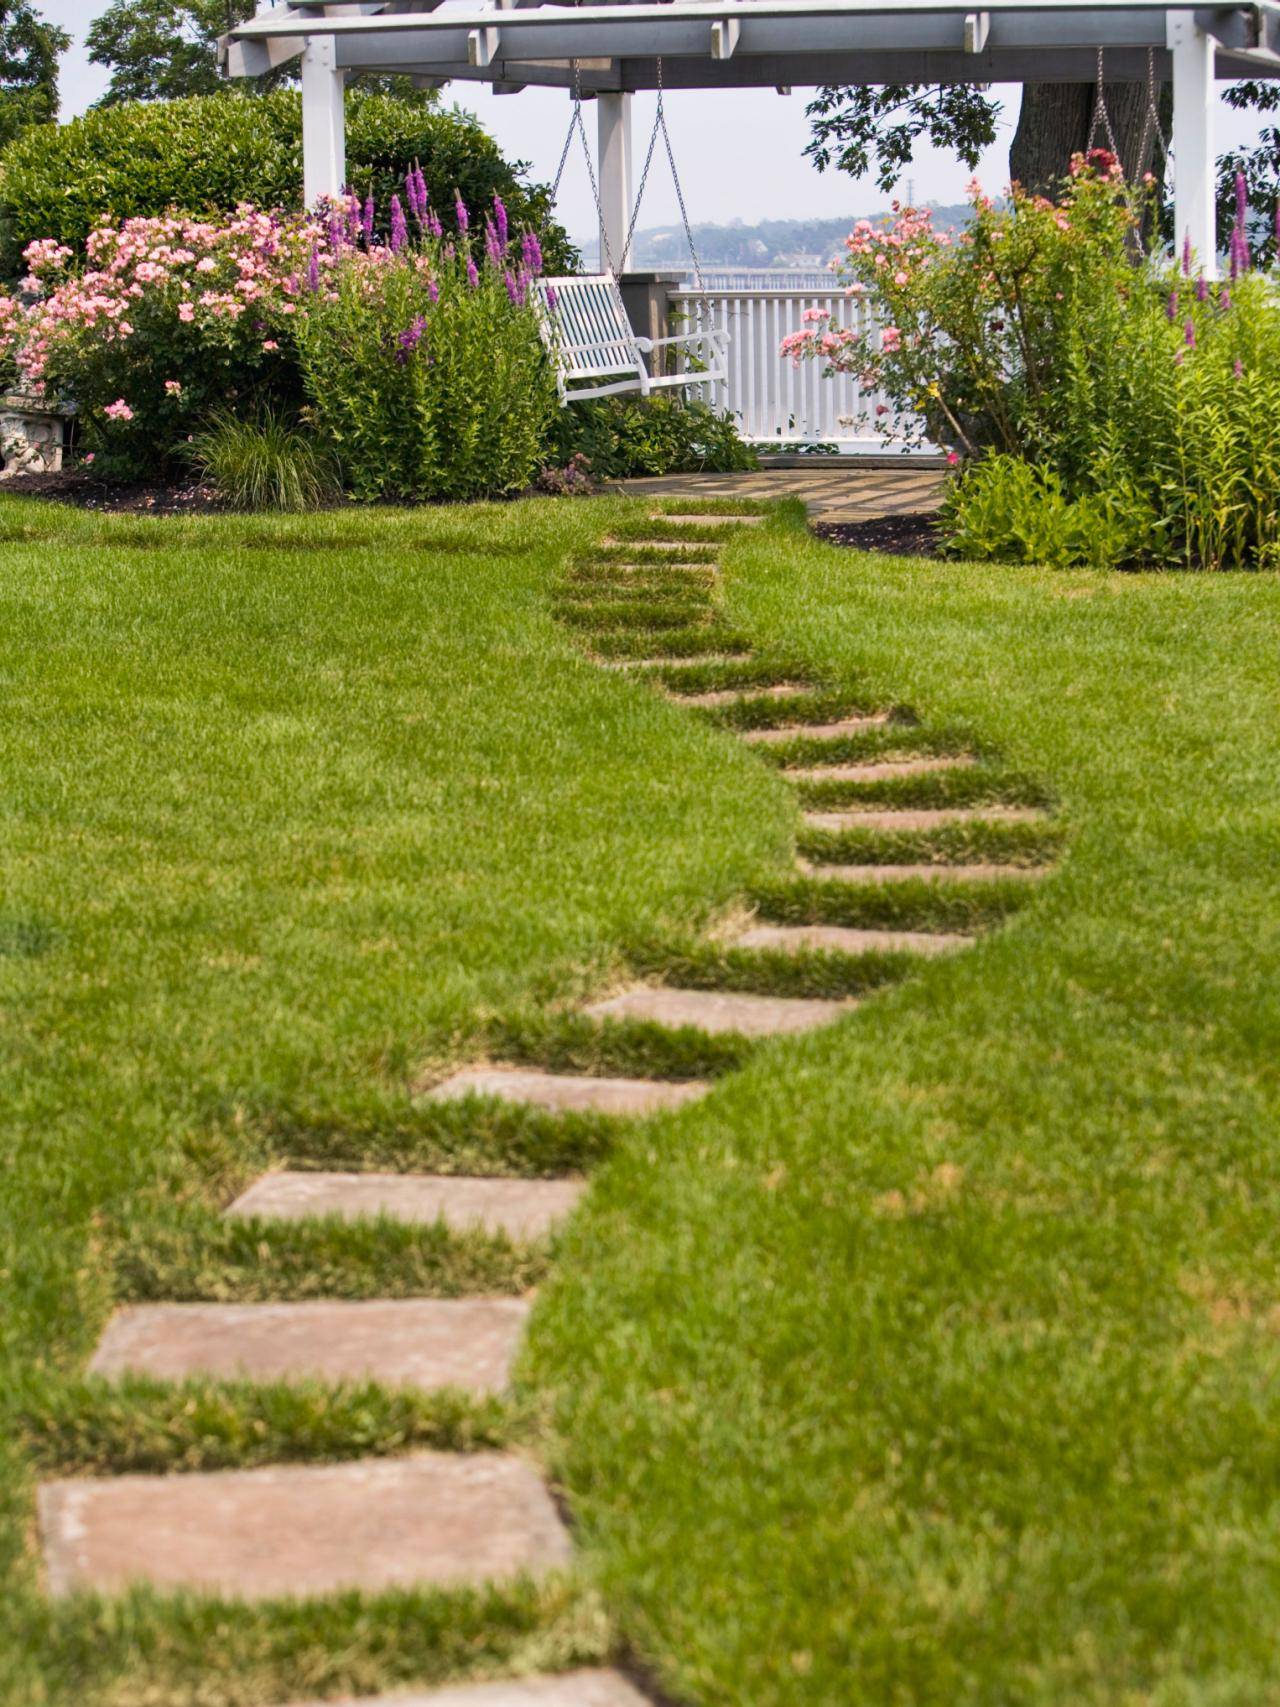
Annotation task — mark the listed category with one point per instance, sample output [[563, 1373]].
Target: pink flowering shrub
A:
[[168, 319], [1145, 397]]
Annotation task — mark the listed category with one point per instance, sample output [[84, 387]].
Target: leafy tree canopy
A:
[[851, 125], [29, 49], [158, 50]]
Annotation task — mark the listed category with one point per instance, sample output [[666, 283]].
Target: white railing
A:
[[774, 401]]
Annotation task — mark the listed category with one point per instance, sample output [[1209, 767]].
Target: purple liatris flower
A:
[[1202, 289], [335, 232], [399, 226], [1171, 307], [1224, 301], [531, 252], [1186, 255], [460, 212], [433, 291], [420, 185], [366, 221], [431, 219], [1189, 334], [353, 218], [473, 277], [1242, 198], [410, 338], [500, 221], [492, 247], [515, 292], [1238, 369], [551, 298]]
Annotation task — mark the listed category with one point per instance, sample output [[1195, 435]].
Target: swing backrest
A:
[[585, 327]]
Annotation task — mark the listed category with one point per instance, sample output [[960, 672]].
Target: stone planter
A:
[[32, 436]]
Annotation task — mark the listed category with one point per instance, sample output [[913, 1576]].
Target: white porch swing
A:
[[583, 320]]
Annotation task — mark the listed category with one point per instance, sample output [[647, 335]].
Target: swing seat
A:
[[595, 351]]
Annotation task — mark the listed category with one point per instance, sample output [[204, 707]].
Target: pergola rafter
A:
[[614, 50]]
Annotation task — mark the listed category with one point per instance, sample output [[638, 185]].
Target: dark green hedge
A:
[[207, 153]]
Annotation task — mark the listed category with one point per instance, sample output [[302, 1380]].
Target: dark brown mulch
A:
[[915, 535], [83, 490]]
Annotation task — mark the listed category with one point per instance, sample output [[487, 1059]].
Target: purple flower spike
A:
[[399, 226], [1202, 289], [1186, 255], [313, 272], [473, 277], [1242, 199], [513, 288], [433, 291], [431, 219], [353, 218], [1224, 301], [500, 221], [1171, 307], [424, 200], [366, 222], [531, 252], [409, 339], [460, 212], [1189, 334], [492, 247], [1238, 370], [551, 298]]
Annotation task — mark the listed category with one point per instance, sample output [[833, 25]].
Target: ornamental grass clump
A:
[[1144, 397]]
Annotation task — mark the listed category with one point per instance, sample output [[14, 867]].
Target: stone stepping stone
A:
[[520, 1208], [815, 731], [668, 662], [426, 1343], [573, 1689], [640, 568], [733, 696], [876, 770], [844, 939], [720, 1010], [726, 520], [926, 873], [377, 1523], [922, 818], [568, 1093], [661, 545]]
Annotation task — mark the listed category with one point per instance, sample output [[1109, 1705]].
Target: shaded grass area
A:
[[288, 810], [932, 1357]]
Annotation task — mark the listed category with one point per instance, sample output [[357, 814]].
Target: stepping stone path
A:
[[440, 1518], [426, 1343], [433, 1517], [520, 1208], [573, 1689]]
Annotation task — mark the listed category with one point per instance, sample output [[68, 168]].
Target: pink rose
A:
[[186, 313], [118, 411]]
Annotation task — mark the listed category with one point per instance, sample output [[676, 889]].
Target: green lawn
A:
[[934, 1358]]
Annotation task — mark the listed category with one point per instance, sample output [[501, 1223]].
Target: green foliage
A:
[[160, 50], [208, 154], [660, 434], [29, 49], [264, 462], [851, 124], [1017, 512], [427, 398]]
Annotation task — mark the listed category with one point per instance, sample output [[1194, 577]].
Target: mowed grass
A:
[[935, 1358], [931, 1358], [291, 817]]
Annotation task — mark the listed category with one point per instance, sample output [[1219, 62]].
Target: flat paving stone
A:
[[843, 939], [666, 662], [568, 1093], [572, 1689], [815, 731], [720, 1010], [520, 1208], [433, 1517], [922, 818], [733, 696], [662, 544], [724, 520], [925, 873], [877, 770], [426, 1343]]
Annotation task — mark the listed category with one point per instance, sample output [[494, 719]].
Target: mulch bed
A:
[[80, 488], [914, 535]]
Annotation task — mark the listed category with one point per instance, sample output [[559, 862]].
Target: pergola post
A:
[[324, 121], [613, 118], [1194, 161]]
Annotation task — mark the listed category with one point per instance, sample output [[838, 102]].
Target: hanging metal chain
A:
[[1100, 113], [576, 126], [1151, 118]]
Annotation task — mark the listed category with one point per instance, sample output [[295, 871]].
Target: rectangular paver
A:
[[720, 1010], [921, 817], [568, 1093], [844, 939], [735, 696], [723, 520], [815, 731], [405, 1342], [572, 1689], [433, 1517], [925, 873], [877, 770], [520, 1208]]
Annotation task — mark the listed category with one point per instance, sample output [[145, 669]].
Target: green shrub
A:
[[1013, 511], [429, 381], [660, 434], [264, 462], [207, 154]]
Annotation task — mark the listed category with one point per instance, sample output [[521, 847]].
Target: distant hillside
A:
[[807, 243]]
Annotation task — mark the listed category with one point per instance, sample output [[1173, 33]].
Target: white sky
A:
[[740, 151]]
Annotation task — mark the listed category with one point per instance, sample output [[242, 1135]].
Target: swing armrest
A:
[[646, 344]]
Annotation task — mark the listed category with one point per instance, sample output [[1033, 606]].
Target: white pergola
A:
[[612, 50]]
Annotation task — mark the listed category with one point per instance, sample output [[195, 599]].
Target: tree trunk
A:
[[1057, 120]]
